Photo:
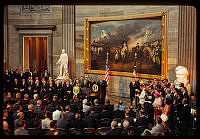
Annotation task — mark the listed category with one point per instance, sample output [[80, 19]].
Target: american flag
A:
[[107, 71]]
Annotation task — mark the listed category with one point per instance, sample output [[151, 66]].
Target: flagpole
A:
[[107, 74]]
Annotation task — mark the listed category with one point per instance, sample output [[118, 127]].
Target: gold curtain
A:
[[37, 52]]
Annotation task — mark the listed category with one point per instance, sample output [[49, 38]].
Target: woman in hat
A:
[[157, 104]]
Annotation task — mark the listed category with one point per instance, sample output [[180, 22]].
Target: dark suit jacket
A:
[[185, 116], [185, 95], [89, 123], [98, 108], [142, 121], [118, 114], [65, 89], [50, 90], [132, 87], [16, 85], [13, 74], [102, 88], [64, 124], [76, 124], [46, 77], [20, 77], [37, 87], [109, 107], [106, 114], [28, 74], [24, 86], [112, 132]]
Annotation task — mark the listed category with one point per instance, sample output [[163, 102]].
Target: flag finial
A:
[[107, 54]]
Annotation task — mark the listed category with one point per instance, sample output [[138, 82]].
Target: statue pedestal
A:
[[60, 78]]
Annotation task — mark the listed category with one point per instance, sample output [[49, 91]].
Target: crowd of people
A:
[[36, 104]]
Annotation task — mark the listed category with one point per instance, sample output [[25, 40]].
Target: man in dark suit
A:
[[46, 75], [93, 91], [50, 89], [85, 88], [23, 87], [70, 115], [77, 122], [7, 80], [102, 84], [128, 118], [142, 120], [185, 93], [106, 113], [58, 88], [88, 121], [13, 74], [114, 130], [35, 74], [21, 76], [37, 87], [109, 106], [81, 80], [15, 86], [44, 87], [134, 84], [67, 90], [185, 118], [28, 73], [117, 113], [31, 86], [63, 122]]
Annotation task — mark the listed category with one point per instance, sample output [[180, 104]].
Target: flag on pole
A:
[[107, 71]]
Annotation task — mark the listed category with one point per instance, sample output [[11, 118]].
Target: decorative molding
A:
[[38, 9], [35, 27]]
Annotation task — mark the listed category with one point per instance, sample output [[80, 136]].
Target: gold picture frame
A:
[[163, 16]]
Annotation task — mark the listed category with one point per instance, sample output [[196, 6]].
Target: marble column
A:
[[5, 58], [68, 15], [187, 41]]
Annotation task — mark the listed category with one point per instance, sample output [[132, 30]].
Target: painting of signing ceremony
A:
[[101, 70]]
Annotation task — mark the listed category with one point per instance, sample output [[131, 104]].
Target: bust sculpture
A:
[[182, 76], [63, 65]]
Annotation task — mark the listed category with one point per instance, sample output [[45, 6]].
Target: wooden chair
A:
[[61, 129], [101, 130], [88, 131], [139, 130], [75, 131]]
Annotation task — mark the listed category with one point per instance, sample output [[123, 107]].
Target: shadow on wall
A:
[[122, 86], [172, 75]]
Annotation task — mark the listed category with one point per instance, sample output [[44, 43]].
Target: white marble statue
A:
[[63, 65], [182, 76]]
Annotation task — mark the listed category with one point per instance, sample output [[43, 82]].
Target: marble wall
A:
[[33, 16]]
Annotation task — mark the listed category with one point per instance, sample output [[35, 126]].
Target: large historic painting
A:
[[134, 43]]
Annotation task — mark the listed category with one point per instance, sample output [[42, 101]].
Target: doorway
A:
[[35, 53]]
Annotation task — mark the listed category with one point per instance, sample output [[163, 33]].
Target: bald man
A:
[[6, 129]]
